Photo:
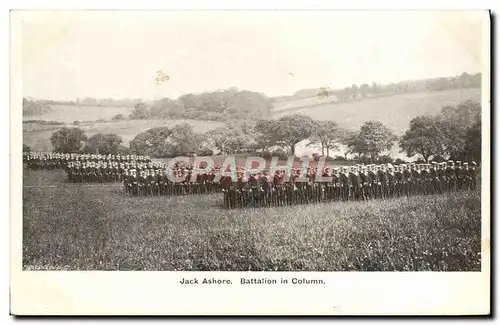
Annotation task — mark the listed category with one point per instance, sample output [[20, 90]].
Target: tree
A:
[[364, 89], [374, 89], [372, 139], [473, 142], [26, 148], [221, 138], [324, 92], [68, 140], [118, 117], [266, 133], [104, 144], [33, 107], [422, 138], [327, 134], [140, 112], [292, 129], [354, 90], [183, 141], [455, 122], [150, 142]]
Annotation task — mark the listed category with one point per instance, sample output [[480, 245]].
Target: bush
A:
[[385, 159], [280, 153], [119, 117], [205, 152], [400, 161]]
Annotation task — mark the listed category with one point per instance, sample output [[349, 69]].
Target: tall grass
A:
[[97, 228]]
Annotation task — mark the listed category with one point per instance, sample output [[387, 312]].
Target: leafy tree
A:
[[455, 122], [140, 112], [354, 90], [68, 140], [292, 129], [183, 140], [326, 133], [374, 89], [364, 90], [103, 144], [119, 117], [372, 139], [423, 137], [26, 148], [221, 138], [266, 133], [150, 142], [324, 92], [33, 107], [473, 142]]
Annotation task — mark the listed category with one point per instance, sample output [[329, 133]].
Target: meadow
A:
[[96, 227], [395, 111], [69, 113], [38, 136]]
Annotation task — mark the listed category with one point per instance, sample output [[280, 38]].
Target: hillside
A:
[[70, 113], [38, 136], [394, 111]]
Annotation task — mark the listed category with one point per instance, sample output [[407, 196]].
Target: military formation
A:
[[156, 182], [55, 160], [354, 183], [142, 177]]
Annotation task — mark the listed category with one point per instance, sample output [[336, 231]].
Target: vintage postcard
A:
[[250, 162]]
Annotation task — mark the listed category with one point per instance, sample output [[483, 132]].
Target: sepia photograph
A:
[[257, 141]]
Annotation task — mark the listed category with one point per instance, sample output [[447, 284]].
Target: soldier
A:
[[473, 174], [364, 182], [435, 179], [459, 174], [382, 182], [354, 183], [391, 180], [126, 184], [398, 175], [451, 176]]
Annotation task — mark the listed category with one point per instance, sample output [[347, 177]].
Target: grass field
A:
[[38, 136], [78, 227], [69, 114], [394, 111]]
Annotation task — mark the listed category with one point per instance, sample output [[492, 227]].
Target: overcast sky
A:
[[117, 54]]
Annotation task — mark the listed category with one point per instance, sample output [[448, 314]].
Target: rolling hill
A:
[[394, 111], [69, 114], [37, 136]]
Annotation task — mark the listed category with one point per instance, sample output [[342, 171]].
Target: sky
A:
[[102, 54]]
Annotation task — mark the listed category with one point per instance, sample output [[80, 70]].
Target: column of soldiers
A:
[[55, 160], [155, 181], [104, 169], [355, 183]]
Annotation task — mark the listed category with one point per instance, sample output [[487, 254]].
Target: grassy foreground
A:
[[74, 227]]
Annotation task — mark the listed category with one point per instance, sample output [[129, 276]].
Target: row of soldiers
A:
[[104, 171], [156, 182], [56, 160], [357, 183]]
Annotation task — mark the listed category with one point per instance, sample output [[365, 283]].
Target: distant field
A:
[[69, 114], [394, 111], [96, 227], [38, 136]]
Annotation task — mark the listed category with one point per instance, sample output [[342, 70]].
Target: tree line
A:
[[364, 90], [453, 134], [220, 105]]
